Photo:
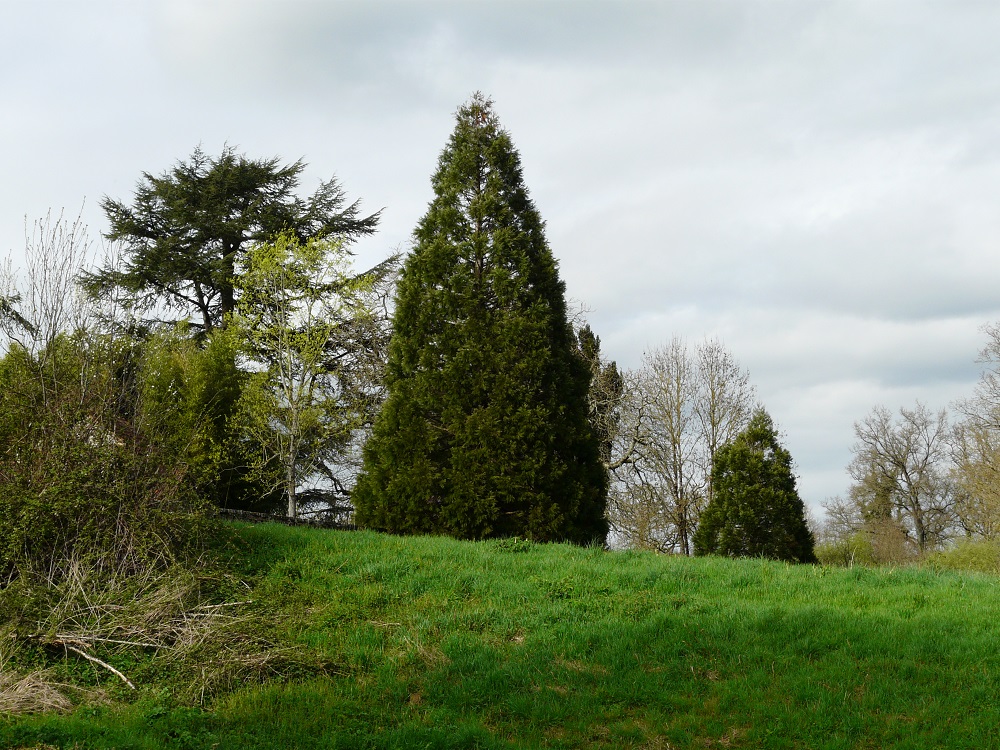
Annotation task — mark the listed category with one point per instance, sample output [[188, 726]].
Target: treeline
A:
[[227, 354], [924, 480]]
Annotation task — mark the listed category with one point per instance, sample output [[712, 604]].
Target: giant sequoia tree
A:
[[485, 429]]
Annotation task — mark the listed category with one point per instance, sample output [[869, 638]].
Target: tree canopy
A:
[[901, 479], [485, 429], [186, 232], [755, 509]]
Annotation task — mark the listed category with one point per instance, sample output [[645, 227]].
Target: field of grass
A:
[[433, 643]]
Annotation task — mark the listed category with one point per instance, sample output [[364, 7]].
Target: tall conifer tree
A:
[[485, 429]]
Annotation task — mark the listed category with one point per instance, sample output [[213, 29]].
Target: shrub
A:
[[77, 479], [968, 554], [188, 394], [854, 550]]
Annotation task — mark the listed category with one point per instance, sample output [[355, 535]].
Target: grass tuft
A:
[[31, 693]]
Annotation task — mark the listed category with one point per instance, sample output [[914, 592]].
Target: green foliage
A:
[[77, 480], [982, 556], [188, 229], [485, 428], [856, 549], [298, 304], [10, 317], [189, 391], [756, 510], [420, 642]]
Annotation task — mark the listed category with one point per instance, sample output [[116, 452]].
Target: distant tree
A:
[[976, 456], [726, 401], [976, 448], [675, 445], [44, 305], [188, 229], [901, 471], [485, 429], [755, 510], [607, 389], [840, 538]]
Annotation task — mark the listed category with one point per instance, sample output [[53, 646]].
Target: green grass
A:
[[434, 643]]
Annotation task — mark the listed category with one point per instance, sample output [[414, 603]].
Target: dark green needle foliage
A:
[[756, 510], [485, 430], [187, 231]]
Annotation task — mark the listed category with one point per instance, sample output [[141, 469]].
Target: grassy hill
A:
[[359, 640]]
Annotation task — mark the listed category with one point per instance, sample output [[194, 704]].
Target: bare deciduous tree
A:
[[726, 403], [976, 447], [47, 302], [901, 474], [679, 409], [976, 455]]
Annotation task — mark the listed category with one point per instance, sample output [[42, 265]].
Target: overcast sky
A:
[[817, 184]]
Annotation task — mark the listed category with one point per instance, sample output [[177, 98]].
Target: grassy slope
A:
[[430, 642]]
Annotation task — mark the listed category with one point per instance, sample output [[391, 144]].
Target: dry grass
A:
[[31, 693], [169, 615]]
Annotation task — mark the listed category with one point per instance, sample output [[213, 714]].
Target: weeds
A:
[[134, 629]]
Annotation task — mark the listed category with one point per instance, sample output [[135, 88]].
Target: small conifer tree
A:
[[755, 509], [485, 429]]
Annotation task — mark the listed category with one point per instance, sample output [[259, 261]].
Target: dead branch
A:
[[97, 661], [73, 637], [225, 604]]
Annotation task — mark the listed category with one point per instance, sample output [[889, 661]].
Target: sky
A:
[[813, 183]]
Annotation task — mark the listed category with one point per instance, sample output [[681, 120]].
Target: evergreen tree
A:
[[188, 230], [755, 510], [485, 429]]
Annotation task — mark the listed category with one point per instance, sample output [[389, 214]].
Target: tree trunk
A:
[[293, 509]]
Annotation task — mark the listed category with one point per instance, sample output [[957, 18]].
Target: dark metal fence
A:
[[336, 518]]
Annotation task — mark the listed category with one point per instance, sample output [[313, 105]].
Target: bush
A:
[[77, 479], [188, 393], [977, 555], [878, 542], [855, 550]]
